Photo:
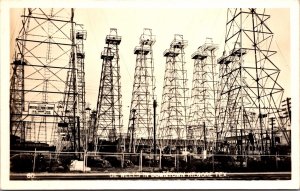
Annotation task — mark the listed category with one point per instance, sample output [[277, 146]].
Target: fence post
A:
[[213, 161], [186, 155], [50, 163], [34, 158], [276, 161], [141, 160], [84, 161], [176, 160], [122, 160], [159, 158]]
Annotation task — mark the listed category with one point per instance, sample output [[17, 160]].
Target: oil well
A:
[[233, 116]]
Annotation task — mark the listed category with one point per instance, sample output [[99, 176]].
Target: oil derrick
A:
[[109, 105], [140, 127], [73, 104], [172, 127], [80, 37], [40, 68], [202, 115], [249, 90]]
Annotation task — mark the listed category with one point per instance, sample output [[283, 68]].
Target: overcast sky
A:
[[194, 24]]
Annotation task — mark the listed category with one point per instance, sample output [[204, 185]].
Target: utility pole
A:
[[154, 126], [286, 114], [132, 131], [204, 134], [272, 134], [288, 105], [241, 131]]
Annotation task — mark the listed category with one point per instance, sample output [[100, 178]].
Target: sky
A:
[[194, 24]]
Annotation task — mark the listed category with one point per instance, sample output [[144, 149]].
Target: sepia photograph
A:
[[144, 93]]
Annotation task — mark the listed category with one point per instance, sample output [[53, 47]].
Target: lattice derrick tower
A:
[[203, 94], [109, 105], [142, 93], [39, 71], [249, 90], [80, 37], [173, 116], [71, 128]]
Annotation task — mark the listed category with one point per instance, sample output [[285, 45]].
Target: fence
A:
[[44, 161]]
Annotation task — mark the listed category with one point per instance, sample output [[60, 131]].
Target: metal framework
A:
[[109, 105], [44, 58], [249, 90], [173, 116], [202, 114], [73, 105], [80, 37], [142, 93]]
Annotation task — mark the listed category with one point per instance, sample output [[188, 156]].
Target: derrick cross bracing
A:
[[73, 127], [249, 91], [174, 98], [202, 113], [109, 106], [140, 127], [44, 58]]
